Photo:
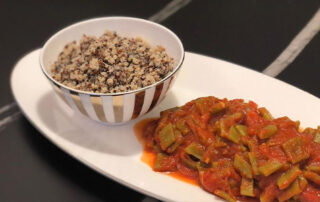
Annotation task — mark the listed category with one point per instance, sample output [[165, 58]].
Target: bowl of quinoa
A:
[[112, 69]]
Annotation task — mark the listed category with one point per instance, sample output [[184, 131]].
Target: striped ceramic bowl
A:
[[113, 108]]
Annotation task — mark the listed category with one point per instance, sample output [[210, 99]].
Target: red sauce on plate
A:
[[234, 150], [149, 157]]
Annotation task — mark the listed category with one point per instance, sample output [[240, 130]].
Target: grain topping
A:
[[111, 64]]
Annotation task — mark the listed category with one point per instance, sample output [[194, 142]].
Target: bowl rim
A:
[[75, 91]]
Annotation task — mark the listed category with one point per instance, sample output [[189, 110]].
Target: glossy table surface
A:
[[249, 32]]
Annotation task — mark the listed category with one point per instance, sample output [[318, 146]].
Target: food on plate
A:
[[237, 151], [111, 64]]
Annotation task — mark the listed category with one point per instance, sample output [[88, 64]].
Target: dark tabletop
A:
[[252, 33]]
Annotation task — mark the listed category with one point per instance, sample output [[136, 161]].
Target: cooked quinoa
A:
[[111, 64]]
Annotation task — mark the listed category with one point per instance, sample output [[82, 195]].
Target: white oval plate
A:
[[114, 150]]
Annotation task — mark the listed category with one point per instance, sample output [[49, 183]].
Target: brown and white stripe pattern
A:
[[117, 108]]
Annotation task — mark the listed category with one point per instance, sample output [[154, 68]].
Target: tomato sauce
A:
[[234, 150], [148, 157]]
